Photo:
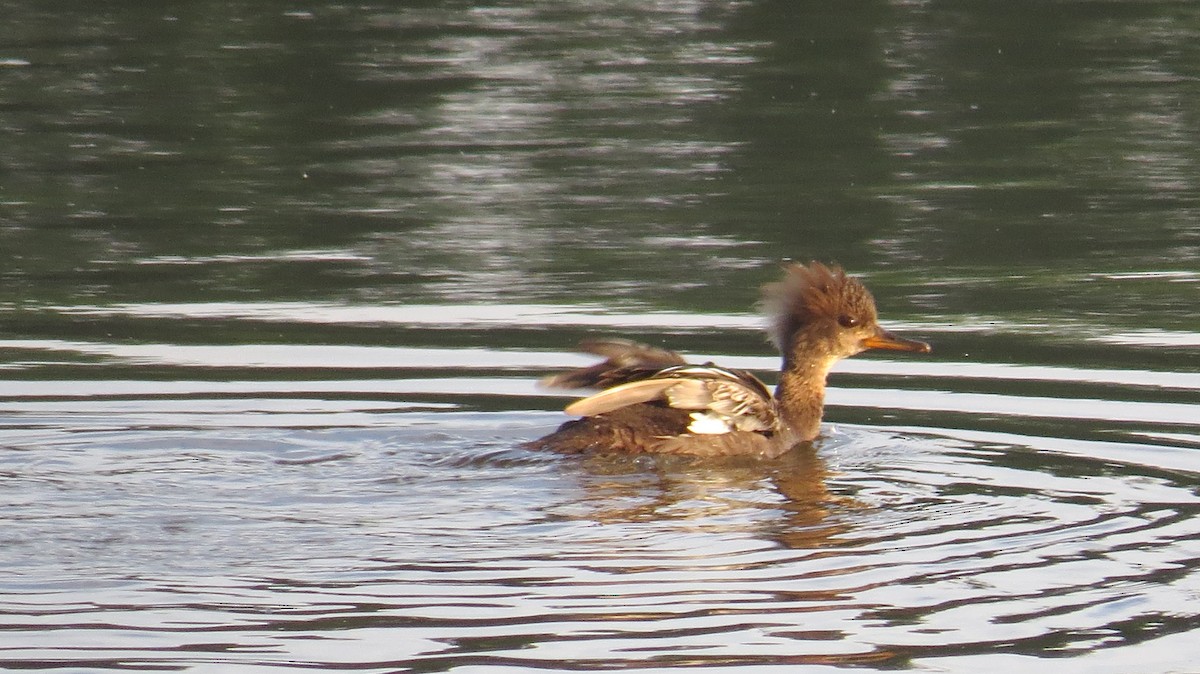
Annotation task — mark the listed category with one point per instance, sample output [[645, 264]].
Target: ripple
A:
[[247, 504], [447, 547]]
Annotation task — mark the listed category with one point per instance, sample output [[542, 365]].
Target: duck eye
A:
[[847, 321]]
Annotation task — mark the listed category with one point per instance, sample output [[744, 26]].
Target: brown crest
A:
[[811, 294]]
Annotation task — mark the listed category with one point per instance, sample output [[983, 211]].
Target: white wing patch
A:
[[708, 424]]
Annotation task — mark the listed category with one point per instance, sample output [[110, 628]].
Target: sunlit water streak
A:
[[1141, 402], [399, 357], [462, 315]]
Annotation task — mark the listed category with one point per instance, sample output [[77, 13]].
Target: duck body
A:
[[652, 400], [678, 409]]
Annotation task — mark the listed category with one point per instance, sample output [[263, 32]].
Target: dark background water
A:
[[277, 280]]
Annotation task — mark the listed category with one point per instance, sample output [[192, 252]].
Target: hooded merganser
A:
[[654, 401]]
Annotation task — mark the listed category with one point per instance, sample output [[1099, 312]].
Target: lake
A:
[[279, 280]]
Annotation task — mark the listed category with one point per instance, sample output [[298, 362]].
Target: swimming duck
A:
[[652, 400]]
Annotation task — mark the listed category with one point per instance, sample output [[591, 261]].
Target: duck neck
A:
[[801, 392]]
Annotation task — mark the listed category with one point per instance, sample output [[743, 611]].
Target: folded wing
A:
[[720, 400]]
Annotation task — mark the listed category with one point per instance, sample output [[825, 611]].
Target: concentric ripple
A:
[[267, 507], [419, 550]]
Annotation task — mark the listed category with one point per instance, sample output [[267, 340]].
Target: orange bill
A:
[[886, 340]]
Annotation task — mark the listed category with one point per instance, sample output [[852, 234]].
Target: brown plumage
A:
[[654, 402]]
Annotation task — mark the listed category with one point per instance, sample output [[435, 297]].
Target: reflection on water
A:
[[222, 506], [429, 548], [278, 282]]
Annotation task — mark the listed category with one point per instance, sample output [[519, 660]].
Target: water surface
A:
[[278, 283]]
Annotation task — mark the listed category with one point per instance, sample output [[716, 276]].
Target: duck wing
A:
[[720, 400], [624, 361]]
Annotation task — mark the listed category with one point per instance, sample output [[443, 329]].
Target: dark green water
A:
[[277, 281]]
